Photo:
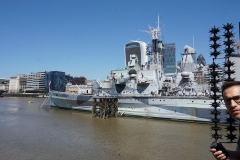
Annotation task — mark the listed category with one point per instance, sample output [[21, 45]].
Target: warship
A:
[[143, 89]]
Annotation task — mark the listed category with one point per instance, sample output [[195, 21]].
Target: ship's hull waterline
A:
[[176, 108]]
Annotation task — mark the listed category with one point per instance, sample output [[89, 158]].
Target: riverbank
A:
[[36, 95]]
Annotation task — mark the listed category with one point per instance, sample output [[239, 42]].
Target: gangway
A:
[[45, 101]]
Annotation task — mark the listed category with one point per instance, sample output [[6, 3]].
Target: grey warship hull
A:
[[167, 107], [70, 101]]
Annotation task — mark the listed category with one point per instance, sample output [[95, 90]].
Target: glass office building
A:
[[56, 80], [201, 60], [169, 58]]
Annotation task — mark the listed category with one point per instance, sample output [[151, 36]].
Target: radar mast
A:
[[154, 32], [156, 52]]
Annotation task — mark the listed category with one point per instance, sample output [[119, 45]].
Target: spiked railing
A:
[[214, 80], [228, 72]]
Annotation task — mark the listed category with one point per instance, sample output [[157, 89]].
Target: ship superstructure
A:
[[189, 76], [143, 74]]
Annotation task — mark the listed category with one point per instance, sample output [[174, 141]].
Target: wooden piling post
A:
[[105, 107]]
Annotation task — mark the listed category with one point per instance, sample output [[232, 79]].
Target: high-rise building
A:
[[169, 58], [136, 51], [56, 80], [201, 75], [201, 60]]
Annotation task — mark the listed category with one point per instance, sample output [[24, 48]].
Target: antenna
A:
[[154, 32], [193, 42]]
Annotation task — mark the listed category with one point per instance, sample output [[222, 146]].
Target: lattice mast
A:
[[156, 47]]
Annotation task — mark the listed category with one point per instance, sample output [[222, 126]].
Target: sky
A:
[[87, 37]]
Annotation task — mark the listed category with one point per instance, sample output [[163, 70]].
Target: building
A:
[[71, 88], [136, 50], [18, 83], [57, 80], [36, 83], [80, 89], [169, 58], [236, 59], [201, 60], [220, 72], [39, 82], [236, 67], [3, 80], [80, 80], [201, 75], [4, 85]]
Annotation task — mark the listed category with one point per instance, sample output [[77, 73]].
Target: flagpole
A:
[[49, 86]]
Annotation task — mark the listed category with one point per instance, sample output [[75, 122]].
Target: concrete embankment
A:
[[23, 95]]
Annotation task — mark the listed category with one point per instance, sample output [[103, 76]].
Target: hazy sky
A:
[[87, 37]]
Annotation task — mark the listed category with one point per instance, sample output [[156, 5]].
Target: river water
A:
[[28, 131]]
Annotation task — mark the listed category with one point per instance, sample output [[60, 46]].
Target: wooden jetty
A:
[[104, 107]]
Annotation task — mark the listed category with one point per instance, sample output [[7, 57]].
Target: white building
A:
[[17, 83], [35, 82], [79, 89], [236, 59]]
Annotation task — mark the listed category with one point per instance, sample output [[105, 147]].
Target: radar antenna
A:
[[154, 32]]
